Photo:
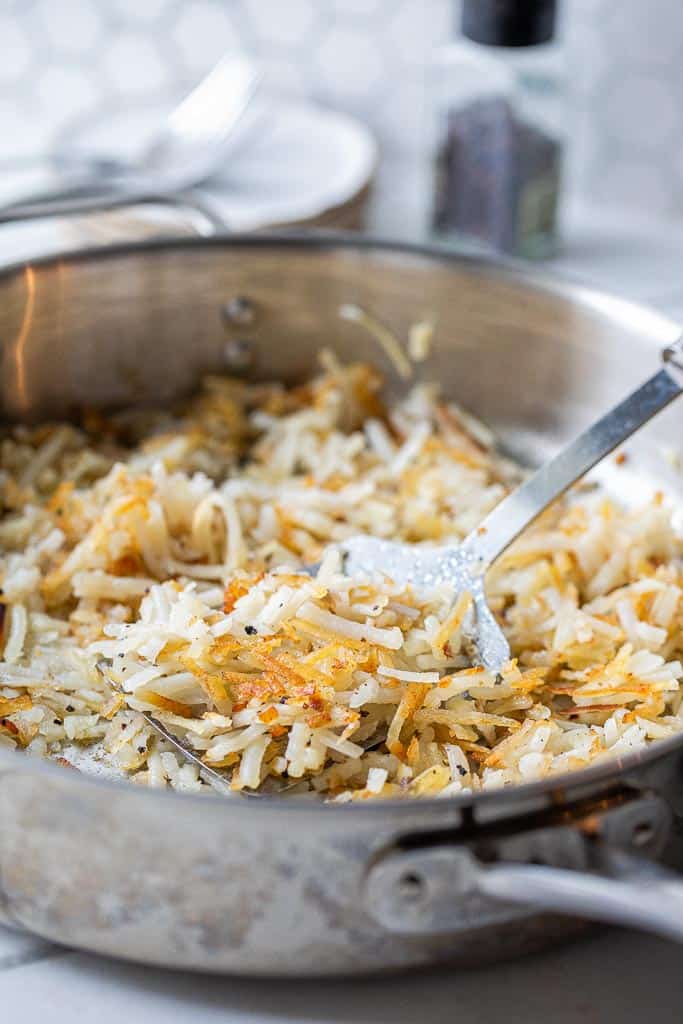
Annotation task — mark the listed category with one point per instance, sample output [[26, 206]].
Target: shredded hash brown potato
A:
[[172, 548]]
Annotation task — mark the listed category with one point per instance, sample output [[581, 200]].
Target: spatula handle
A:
[[508, 519]]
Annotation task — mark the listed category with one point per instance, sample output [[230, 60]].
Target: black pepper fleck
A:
[[56, 721], [70, 707], [250, 630]]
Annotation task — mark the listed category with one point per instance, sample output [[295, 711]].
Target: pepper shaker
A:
[[498, 100]]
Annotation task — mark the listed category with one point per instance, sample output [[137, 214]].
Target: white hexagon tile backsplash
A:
[[59, 58]]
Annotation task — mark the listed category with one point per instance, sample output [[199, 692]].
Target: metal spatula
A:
[[465, 565]]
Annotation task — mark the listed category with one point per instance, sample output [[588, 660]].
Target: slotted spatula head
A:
[[461, 567]]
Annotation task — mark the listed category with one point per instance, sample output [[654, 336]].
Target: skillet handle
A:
[[73, 204], [446, 889], [643, 895]]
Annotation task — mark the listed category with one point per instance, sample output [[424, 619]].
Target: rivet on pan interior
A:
[[239, 310], [238, 354]]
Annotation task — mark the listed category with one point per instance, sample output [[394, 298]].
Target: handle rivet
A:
[[643, 833], [240, 311], [411, 886], [238, 354]]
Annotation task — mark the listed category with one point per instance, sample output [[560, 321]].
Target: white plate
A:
[[290, 161], [302, 161]]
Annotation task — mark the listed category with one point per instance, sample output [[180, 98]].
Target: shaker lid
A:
[[509, 22]]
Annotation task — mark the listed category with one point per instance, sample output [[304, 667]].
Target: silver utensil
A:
[[187, 149], [218, 780], [464, 565]]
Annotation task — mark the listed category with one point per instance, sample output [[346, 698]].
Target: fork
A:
[[187, 149]]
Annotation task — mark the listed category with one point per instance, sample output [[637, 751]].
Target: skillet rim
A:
[[614, 307]]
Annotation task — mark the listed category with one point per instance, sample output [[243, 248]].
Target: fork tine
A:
[[216, 103], [190, 146], [491, 644]]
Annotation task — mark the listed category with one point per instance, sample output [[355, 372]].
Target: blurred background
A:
[[622, 117]]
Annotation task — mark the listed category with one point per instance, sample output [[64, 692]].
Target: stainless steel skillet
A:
[[289, 887]]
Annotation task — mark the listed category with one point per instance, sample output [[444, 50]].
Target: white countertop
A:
[[605, 978], [610, 976]]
